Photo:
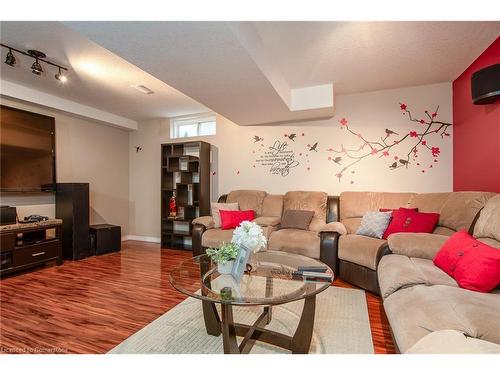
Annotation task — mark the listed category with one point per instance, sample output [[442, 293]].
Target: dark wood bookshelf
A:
[[185, 169]]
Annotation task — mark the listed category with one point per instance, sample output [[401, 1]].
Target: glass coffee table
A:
[[268, 281]]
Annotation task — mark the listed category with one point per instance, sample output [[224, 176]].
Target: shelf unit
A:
[[185, 169]]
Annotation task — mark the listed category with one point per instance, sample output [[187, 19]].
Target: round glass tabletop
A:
[[270, 282]]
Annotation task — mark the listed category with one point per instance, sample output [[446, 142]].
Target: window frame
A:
[[198, 120]]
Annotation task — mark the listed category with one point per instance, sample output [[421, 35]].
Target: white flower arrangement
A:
[[250, 235]]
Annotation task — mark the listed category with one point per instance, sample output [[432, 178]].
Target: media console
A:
[[24, 246]]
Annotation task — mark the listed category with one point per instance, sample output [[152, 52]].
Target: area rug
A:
[[341, 326]]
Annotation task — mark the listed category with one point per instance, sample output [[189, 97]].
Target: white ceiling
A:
[[246, 71], [96, 78], [368, 56]]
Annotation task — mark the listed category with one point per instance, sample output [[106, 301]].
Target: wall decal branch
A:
[[417, 138]]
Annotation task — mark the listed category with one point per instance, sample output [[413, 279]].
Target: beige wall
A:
[[368, 114], [86, 151]]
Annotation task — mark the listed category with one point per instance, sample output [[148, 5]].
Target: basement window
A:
[[193, 126]]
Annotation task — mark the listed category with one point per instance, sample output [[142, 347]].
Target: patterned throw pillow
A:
[[374, 224]]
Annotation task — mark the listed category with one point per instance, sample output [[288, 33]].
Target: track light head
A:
[[36, 68], [10, 59], [60, 76]]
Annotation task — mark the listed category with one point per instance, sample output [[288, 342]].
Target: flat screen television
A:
[[27, 151]]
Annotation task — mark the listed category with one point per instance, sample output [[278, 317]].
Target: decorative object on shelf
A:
[[36, 67], [172, 206], [224, 256]]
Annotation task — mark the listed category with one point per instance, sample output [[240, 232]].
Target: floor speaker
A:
[[72, 206]]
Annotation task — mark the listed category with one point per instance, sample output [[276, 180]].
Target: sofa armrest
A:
[[197, 234], [206, 221], [329, 250], [334, 226], [416, 245], [267, 221]]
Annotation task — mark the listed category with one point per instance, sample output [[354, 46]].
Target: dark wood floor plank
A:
[[92, 305]]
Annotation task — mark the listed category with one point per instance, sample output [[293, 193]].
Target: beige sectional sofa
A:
[[420, 299], [359, 255], [318, 242]]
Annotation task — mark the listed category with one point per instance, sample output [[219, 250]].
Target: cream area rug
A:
[[341, 326]]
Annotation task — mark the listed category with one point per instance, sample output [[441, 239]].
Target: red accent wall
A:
[[476, 132]]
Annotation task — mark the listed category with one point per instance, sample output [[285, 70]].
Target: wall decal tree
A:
[[416, 139]]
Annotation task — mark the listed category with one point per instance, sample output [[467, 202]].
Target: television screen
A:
[[27, 151]]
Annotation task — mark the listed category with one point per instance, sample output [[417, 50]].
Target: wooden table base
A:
[[299, 343]]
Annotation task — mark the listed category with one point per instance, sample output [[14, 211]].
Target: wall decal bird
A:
[[256, 139], [292, 136], [313, 147], [389, 132], [337, 160], [403, 161], [394, 165]]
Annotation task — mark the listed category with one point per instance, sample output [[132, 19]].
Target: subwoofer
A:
[[485, 85]]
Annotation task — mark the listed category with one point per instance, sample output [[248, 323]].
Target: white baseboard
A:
[[141, 238]]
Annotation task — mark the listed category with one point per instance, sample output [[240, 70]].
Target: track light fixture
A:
[[36, 67], [10, 59], [60, 76]]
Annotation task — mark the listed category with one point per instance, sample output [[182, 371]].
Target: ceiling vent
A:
[[143, 89]]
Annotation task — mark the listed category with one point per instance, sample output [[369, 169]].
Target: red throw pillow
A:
[[473, 264], [453, 250], [395, 209], [410, 221], [231, 219]]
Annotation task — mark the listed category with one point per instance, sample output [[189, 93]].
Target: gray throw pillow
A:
[[296, 219], [374, 224]]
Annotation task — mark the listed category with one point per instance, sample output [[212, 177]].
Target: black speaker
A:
[[105, 238], [485, 85], [72, 206], [8, 215]]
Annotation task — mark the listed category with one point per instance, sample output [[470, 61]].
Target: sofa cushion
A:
[[410, 221], [489, 241], [351, 224], [399, 271], [360, 250], [231, 219], [309, 201], [296, 241], [419, 245], [452, 342], [488, 224], [216, 207], [248, 200], [215, 237], [355, 204], [457, 210], [417, 311], [266, 221], [374, 224], [272, 205], [443, 231], [296, 219]]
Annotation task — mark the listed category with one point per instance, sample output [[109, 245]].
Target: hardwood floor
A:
[[92, 305]]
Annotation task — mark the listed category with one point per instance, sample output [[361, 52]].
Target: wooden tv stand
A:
[[23, 246]]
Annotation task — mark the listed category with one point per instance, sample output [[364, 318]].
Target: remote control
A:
[[312, 269]]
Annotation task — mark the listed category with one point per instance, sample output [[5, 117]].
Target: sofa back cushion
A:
[[272, 205], [488, 223], [457, 210], [308, 201], [356, 204], [248, 200]]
